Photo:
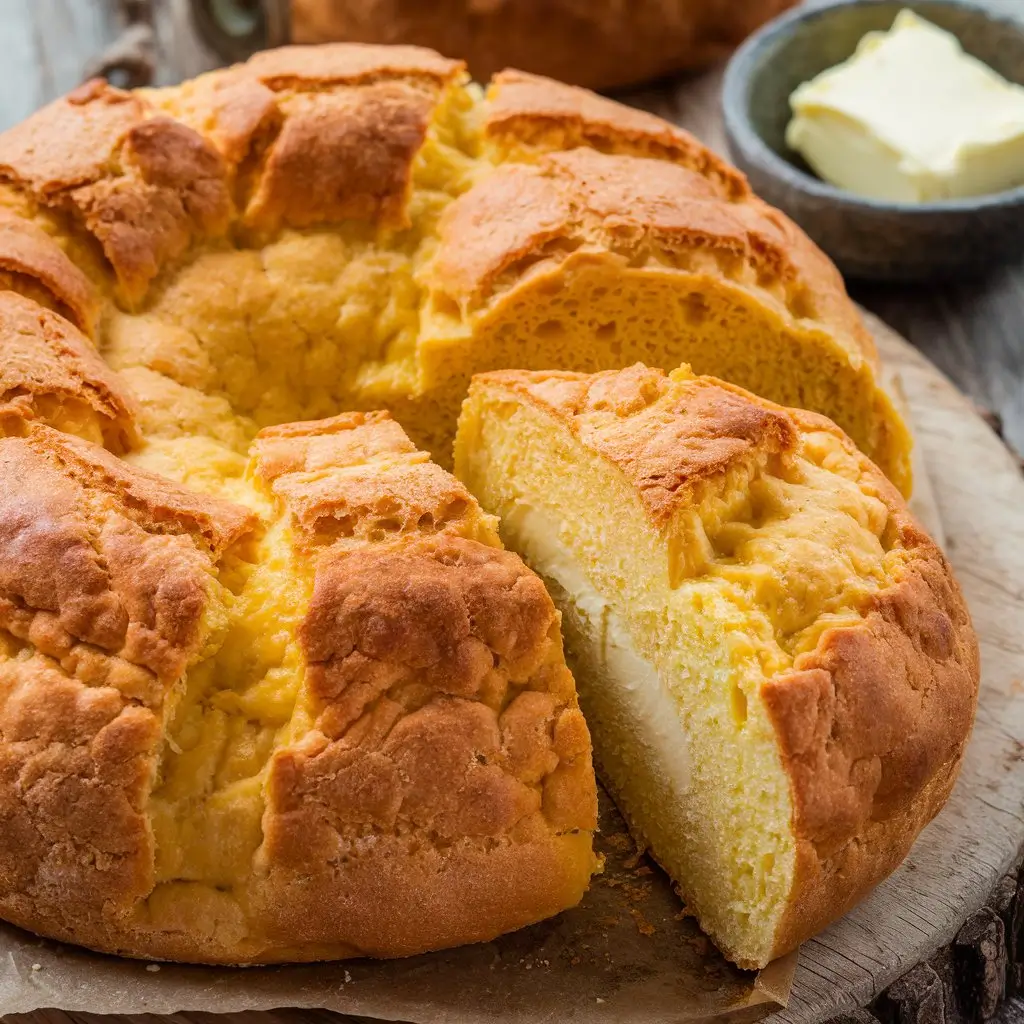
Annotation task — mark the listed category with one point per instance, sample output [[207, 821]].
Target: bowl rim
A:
[[742, 133]]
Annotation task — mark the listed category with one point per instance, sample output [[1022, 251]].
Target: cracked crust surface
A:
[[478, 205], [357, 477], [52, 373], [585, 199], [106, 597], [33, 264], [447, 751], [874, 682], [186, 272], [444, 752]]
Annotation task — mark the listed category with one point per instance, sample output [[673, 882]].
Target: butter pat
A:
[[911, 118]]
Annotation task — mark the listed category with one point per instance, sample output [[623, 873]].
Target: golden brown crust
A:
[[152, 501], [599, 45], [32, 264], [342, 156], [315, 136], [626, 206], [872, 726], [447, 731], [75, 767], [535, 112], [444, 723], [349, 64], [106, 581], [380, 487], [664, 447], [872, 722], [51, 373], [145, 187], [105, 567], [353, 119], [349, 439]]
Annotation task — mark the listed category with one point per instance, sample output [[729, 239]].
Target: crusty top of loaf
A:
[[665, 436], [300, 137], [45, 357], [358, 476], [531, 111], [95, 552], [30, 258]]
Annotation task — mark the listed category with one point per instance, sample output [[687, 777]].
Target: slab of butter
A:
[[911, 118]]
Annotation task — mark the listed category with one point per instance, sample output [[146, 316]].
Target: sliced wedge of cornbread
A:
[[774, 659]]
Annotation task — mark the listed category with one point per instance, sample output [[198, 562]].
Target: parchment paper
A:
[[626, 953]]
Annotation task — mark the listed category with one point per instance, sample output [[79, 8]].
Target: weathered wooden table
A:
[[973, 331]]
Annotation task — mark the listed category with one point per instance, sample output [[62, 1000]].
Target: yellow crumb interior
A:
[[770, 554], [235, 706]]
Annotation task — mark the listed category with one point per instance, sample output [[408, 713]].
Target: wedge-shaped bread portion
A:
[[775, 661], [336, 722]]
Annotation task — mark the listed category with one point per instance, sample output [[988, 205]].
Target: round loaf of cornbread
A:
[[601, 44], [269, 687]]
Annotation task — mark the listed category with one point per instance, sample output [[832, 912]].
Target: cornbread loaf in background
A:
[[597, 43], [775, 660]]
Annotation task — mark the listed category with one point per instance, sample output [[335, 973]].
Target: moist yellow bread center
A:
[[711, 555]]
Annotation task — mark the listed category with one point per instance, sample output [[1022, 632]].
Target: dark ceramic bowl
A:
[[867, 238]]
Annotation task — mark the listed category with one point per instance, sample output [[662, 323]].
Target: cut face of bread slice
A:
[[775, 662]]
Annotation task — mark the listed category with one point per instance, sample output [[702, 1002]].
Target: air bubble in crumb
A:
[[153, 967], [348, 977]]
